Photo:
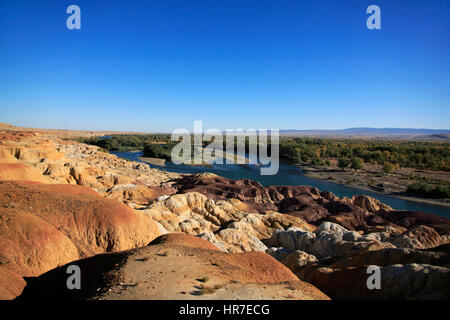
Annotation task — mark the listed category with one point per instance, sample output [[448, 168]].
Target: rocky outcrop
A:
[[335, 260], [327, 240], [418, 237], [30, 246], [408, 281], [21, 172], [407, 219], [137, 194], [388, 256], [222, 222], [298, 259], [175, 266], [370, 204], [11, 284], [36, 157], [43, 226], [309, 204]]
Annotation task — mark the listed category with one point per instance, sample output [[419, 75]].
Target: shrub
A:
[[343, 163], [425, 190], [204, 279], [388, 167], [158, 151], [356, 163]]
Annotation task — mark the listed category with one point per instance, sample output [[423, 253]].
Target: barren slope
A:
[[176, 266]]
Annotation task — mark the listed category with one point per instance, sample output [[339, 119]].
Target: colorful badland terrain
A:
[[140, 233]]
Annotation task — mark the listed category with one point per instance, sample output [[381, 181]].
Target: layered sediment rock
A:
[[309, 204], [175, 266], [11, 284], [44, 226], [222, 221], [398, 281], [36, 157], [336, 261]]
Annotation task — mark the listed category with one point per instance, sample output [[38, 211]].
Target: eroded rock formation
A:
[[62, 201], [175, 266], [44, 226]]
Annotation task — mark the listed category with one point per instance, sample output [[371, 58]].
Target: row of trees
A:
[[349, 153], [425, 190], [158, 151], [126, 142], [354, 163], [352, 153]]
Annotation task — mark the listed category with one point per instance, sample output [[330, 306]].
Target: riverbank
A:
[[392, 184], [154, 161], [224, 157], [291, 175]]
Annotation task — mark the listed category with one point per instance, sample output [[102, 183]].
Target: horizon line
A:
[[281, 130]]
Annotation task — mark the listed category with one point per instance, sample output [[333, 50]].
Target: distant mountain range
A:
[[364, 132]]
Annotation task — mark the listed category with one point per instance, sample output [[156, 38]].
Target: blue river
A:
[[291, 175]]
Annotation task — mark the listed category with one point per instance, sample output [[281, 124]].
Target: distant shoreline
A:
[[323, 175], [312, 173]]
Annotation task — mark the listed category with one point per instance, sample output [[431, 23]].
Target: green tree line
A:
[[353, 153], [317, 151]]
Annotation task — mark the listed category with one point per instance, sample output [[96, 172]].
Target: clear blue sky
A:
[[160, 65]]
